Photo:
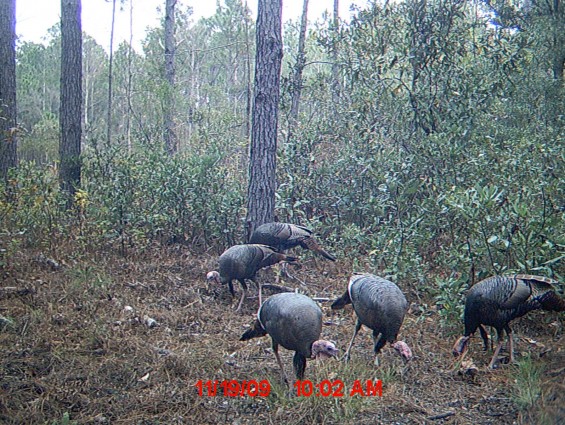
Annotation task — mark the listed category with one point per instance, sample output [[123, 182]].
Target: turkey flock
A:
[[294, 321]]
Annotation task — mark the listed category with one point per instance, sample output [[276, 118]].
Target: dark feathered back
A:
[[497, 300], [379, 304], [285, 236], [243, 261], [293, 321]]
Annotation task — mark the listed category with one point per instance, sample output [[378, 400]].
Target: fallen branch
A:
[[279, 288], [12, 290], [556, 372], [441, 416]]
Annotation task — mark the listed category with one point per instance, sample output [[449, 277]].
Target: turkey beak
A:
[[403, 349], [333, 350], [324, 350]]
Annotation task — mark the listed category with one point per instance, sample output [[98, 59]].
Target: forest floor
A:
[[78, 345]]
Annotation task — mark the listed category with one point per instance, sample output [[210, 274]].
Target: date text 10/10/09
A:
[[252, 388]]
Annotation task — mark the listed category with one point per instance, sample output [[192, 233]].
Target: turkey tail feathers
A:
[[255, 332], [290, 259], [530, 277], [341, 302], [313, 245], [552, 302]]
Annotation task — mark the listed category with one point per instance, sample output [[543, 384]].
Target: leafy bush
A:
[[130, 200], [144, 196], [32, 207], [450, 300], [41, 144]]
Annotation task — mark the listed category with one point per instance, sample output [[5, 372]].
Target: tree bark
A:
[[8, 109], [299, 67], [168, 113], [71, 96], [558, 24], [129, 78], [263, 148], [336, 86], [248, 91], [110, 78]]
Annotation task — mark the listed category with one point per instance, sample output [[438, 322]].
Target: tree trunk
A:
[[130, 78], [168, 113], [299, 67], [8, 110], [193, 97], [110, 78], [248, 91], [71, 96], [558, 24], [420, 32], [263, 148], [336, 86]]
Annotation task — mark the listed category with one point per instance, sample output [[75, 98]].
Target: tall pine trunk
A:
[[263, 148], [71, 96], [169, 101], [558, 29], [248, 91], [110, 78], [336, 86], [129, 78], [8, 110], [299, 67]]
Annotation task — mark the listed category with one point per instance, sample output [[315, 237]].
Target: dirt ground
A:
[[107, 339]]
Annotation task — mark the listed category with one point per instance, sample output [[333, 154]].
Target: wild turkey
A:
[[294, 321], [498, 300], [380, 305], [284, 236], [242, 262]]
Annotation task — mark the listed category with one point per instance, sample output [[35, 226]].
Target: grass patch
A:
[[89, 277], [333, 392], [527, 383]]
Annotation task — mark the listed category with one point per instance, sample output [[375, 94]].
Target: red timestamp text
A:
[[336, 388], [233, 388]]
